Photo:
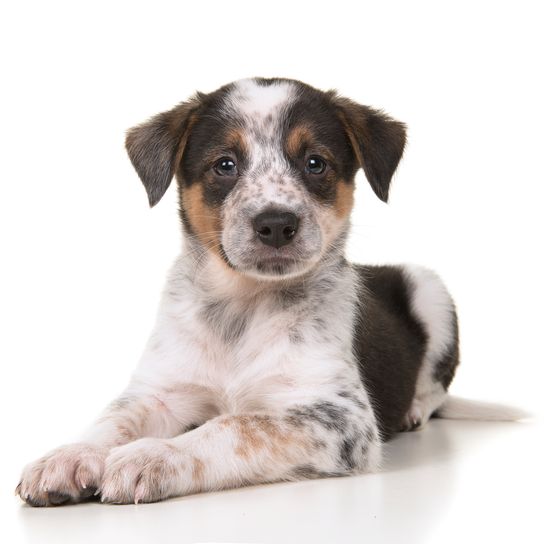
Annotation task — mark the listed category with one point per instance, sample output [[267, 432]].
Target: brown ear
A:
[[377, 140], [155, 146]]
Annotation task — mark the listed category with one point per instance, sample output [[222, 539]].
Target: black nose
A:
[[275, 228]]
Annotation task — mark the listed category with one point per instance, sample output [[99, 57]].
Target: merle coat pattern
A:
[[273, 358]]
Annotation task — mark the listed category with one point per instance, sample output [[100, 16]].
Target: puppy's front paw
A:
[[147, 470], [68, 474]]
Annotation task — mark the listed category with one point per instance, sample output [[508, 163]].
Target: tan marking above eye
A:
[[235, 137], [234, 143], [297, 139], [302, 138]]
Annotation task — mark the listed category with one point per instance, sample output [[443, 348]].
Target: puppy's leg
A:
[[323, 438], [74, 472], [434, 308]]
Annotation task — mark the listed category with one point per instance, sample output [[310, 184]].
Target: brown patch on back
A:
[[205, 221], [343, 202]]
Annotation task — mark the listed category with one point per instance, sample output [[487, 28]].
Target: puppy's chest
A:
[[241, 334], [252, 353]]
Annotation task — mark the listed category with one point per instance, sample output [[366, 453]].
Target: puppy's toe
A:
[[66, 475]]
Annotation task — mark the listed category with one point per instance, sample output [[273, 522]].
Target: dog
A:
[[272, 358]]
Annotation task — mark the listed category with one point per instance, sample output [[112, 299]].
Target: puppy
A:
[[273, 358]]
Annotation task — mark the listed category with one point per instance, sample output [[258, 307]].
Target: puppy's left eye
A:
[[315, 165], [225, 167]]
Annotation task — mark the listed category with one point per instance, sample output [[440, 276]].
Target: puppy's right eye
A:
[[225, 167]]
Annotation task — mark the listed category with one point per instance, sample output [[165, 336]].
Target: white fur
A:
[[272, 386], [433, 306], [268, 181], [189, 375], [255, 100]]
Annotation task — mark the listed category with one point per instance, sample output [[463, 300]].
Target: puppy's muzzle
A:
[[276, 228]]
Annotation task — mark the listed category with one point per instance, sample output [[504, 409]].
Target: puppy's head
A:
[[266, 169]]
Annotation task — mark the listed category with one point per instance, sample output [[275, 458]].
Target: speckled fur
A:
[[250, 374]]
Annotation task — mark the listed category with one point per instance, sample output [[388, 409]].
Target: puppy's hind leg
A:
[[433, 306]]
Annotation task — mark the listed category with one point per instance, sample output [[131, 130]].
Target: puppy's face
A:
[[266, 169]]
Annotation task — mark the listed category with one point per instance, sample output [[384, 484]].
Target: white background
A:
[[83, 257]]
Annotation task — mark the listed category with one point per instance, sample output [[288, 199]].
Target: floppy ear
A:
[[377, 140], [154, 147]]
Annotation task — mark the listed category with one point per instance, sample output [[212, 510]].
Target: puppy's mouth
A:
[[275, 265], [265, 263]]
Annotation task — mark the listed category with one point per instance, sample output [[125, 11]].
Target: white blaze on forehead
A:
[[260, 108], [251, 99]]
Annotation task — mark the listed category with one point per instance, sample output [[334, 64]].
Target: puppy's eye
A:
[[225, 167], [315, 165]]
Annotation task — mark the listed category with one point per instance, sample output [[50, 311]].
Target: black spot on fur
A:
[[217, 189], [353, 398], [325, 413], [295, 337], [390, 344], [319, 323], [291, 295], [346, 452], [224, 320], [311, 472], [191, 427]]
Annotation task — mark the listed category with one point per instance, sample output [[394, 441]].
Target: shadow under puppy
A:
[[273, 358]]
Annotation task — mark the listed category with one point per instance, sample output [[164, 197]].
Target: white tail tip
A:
[[458, 408]]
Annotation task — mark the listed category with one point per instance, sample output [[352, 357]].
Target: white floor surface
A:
[[451, 482]]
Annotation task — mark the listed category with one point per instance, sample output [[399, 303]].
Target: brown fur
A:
[[344, 198], [352, 138], [299, 137], [198, 471], [377, 140], [302, 137], [261, 432], [205, 220]]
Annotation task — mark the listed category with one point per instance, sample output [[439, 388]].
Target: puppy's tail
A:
[[458, 408]]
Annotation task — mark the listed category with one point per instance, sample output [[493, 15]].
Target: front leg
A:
[[73, 472], [322, 438]]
